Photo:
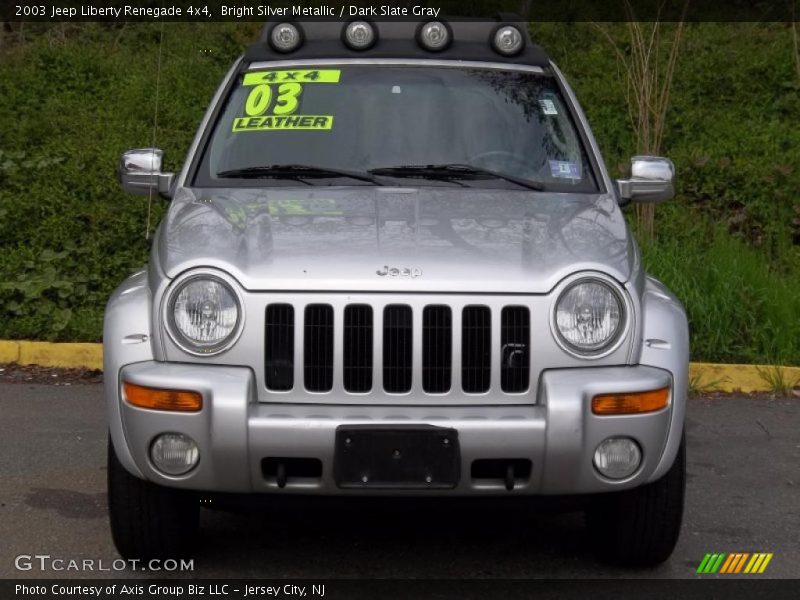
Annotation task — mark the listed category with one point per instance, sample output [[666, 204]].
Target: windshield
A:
[[396, 125]]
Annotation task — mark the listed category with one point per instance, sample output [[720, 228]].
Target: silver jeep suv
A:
[[394, 264]]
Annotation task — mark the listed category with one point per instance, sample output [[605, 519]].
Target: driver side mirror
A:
[[139, 172], [652, 180]]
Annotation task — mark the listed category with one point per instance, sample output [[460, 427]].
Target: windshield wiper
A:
[[295, 172], [453, 171]]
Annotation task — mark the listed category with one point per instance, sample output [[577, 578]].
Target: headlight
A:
[[589, 316], [204, 315]]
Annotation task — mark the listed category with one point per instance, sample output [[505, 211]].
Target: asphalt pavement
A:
[[742, 496]]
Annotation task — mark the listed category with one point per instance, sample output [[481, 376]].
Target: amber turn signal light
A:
[[157, 399], [630, 404]]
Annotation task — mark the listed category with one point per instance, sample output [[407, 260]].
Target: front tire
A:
[[147, 520], [640, 527]]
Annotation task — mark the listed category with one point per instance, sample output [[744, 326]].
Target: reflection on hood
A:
[[336, 238]]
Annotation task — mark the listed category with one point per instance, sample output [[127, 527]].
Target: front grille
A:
[[360, 349], [515, 331], [279, 347], [318, 343], [476, 349], [397, 349], [437, 344], [357, 357]]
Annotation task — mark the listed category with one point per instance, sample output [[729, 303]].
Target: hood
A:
[[395, 239]]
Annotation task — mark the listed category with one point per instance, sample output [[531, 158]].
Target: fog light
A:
[[285, 37], [617, 457], [359, 35], [508, 40], [174, 453], [434, 36]]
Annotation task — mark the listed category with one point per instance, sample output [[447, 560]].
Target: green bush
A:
[[73, 97], [738, 310], [728, 244], [69, 106]]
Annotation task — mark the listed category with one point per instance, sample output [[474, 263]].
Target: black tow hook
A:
[[510, 476]]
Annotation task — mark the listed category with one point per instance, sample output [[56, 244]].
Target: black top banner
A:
[[383, 10]]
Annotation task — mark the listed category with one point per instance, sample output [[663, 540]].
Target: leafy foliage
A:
[[70, 103], [729, 244]]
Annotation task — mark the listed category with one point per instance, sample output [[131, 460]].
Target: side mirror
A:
[[652, 180], [139, 172]]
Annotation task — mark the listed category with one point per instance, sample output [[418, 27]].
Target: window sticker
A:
[[563, 169], [548, 106], [275, 98], [298, 76]]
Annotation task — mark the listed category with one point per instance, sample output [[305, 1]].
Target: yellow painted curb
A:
[[711, 377], [48, 354], [9, 351], [703, 377]]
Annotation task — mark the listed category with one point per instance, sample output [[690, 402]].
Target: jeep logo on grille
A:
[[399, 272]]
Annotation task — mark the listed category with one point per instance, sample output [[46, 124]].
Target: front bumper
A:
[[235, 432]]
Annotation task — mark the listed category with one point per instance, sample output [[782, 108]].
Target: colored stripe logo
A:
[[735, 562]]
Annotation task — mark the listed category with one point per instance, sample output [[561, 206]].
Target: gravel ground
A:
[[13, 373]]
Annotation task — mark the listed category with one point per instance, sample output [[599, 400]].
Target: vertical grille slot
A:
[[397, 350], [515, 342], [357, 348], [476, 349], [437, 345], [318, 348], [279, 347]]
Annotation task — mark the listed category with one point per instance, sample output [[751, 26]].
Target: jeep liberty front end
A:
[[394, 264]]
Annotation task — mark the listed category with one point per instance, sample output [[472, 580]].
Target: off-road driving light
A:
[[159, 399], [629, 404], [204, 315], [434, 36], [285, 37], [589, 316], [508, 40], [174, 453], [359, 35], [617, 457]]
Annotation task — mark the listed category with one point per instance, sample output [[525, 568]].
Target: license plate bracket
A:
[[397, 457]]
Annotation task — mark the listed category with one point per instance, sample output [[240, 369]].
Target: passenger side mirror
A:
[[652, 180], [139, 172]]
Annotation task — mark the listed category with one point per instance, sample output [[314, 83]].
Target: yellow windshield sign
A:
[[301, 76], [270, 123], [275, 97]]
